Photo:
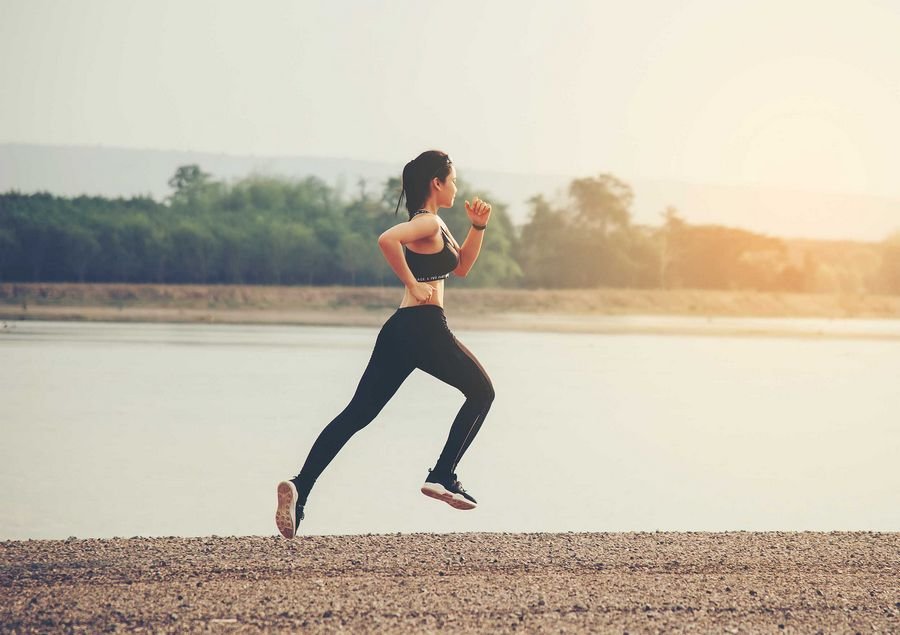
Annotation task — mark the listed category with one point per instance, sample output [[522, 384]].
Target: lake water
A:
[[185, 429]]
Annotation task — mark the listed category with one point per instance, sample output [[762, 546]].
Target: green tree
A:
[[602, 202], [589, 241], [192, 252], [80, 248], [195, 191], [188, 177], [356, 254], [8, 246], [541, 242]]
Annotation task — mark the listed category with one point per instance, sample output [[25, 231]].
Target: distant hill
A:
[[97, 170]]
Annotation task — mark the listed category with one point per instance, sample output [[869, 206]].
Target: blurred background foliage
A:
[[272, 230]]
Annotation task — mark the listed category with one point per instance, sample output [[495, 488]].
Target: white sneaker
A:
[[289, 512], [449, 490]]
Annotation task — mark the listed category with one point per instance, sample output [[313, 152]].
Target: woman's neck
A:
[[430, 206]]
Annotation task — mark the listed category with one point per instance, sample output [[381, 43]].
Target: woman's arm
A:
[[468, 252], [391, 243], [478, 212], [393, 253]]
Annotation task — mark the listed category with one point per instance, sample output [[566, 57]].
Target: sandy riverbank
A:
[[736, 582], [570, 311]]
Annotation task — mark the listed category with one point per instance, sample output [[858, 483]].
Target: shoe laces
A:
[[452, 480], [456, 484]]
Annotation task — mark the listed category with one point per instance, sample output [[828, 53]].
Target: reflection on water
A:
[[159, 429]]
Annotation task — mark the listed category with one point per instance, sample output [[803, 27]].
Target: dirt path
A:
[[404, 583], [267, 303]]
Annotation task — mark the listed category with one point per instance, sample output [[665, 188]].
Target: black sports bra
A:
[[426, 267]]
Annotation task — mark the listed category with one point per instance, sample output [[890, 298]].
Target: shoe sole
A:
[[441, 493], [285, 518]]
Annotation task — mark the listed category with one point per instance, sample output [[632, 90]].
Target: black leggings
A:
[[413, 337]]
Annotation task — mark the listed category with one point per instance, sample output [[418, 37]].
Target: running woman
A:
[[423, 253]]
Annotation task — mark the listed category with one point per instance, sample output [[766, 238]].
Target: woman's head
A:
[[430, 173]]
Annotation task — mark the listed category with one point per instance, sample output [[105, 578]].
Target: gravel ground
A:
[[732, 582]]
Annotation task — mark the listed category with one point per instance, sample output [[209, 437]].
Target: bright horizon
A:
[[800, 96]]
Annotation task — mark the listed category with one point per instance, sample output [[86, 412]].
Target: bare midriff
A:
[[436, 298]]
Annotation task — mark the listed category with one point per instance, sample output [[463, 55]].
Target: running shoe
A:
[[289, 512], [447, 488]]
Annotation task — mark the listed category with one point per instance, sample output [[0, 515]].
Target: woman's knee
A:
[[358, 414], [489, 392], [483, 393]]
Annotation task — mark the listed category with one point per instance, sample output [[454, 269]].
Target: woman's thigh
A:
[[388, 367], [448, 359]]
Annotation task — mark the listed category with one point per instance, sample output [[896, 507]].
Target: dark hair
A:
[[417, 175]]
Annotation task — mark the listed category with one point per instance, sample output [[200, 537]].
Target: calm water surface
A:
[[182, 429]]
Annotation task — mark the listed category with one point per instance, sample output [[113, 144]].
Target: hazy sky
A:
[[782, 93]]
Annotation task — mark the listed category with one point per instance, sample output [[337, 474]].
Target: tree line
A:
[[270, 230]]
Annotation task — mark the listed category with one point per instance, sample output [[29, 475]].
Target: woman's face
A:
[[447, 191]]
